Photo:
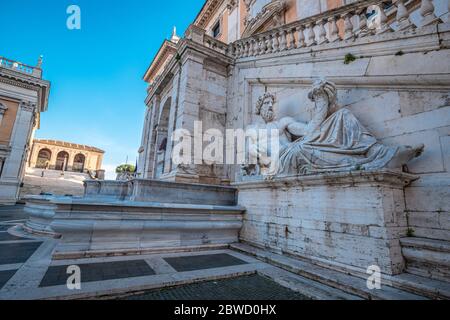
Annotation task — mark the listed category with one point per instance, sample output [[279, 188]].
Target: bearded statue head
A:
[[264, 107]]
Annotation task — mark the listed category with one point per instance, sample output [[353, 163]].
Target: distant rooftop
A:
[[69, 145], [35, 71]]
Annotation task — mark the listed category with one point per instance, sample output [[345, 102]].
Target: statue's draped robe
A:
[[340, 143]]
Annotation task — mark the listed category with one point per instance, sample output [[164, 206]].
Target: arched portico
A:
[[79, 162], [44, 158], [62, 161]]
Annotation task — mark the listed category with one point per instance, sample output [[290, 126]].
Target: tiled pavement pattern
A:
[[253, 287], [183, 264], [57, 275], [5, 236], [5, 276], [13, 250], [5, 227], [27, 271], [12, 253]]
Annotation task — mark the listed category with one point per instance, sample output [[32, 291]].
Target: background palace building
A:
[[23, 96]]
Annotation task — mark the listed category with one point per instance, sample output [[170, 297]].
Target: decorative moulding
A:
[[271, 14], [380, 177]]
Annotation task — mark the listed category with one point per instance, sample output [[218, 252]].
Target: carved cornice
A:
[[207, 12], [248, 4], [232, 4], [67, 145], [382, 177], [42, 87], [28, 106], [166, 52]]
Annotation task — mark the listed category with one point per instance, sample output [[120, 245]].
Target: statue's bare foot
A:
[[405, 154]]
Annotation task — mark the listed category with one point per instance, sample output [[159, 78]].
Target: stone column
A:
[[174, 112], [87, 159], [151, 140], [34, 155], [12, 168], [144, 143], [70, 161], [19, 140], [187, 112], [52, 164]]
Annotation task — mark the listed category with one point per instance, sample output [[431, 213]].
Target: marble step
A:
[[309, 288], [433, 289], [350, 284], [427, 258]]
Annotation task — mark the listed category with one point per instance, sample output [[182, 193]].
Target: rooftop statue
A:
[[334, 140]]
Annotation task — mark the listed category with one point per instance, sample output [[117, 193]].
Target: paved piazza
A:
[[27, 271], [252, 287]]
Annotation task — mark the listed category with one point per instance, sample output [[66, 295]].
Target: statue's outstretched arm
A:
[[295, 128]]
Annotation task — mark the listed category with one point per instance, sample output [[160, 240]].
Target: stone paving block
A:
[[252, 287], [92, 272], [5, 236], [182, 264], [12, 253], [5, 276], [8, 213]]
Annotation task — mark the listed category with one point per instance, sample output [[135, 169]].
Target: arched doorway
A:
[[78, 163], [43, 159], [62, 161]]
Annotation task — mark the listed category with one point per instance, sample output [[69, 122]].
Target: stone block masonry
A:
[[351, 220]]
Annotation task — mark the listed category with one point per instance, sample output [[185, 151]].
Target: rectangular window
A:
[[216, 30]]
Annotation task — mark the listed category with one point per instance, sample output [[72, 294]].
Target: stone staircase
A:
[[402, 287], [427, 258], [53, 182]]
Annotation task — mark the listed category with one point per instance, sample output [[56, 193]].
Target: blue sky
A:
[[97, 95]]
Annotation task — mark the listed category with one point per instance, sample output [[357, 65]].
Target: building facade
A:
[[23, 97], [359, 94], [65, 156], [389, 61]]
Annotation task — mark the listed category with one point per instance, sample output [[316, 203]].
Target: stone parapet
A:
[[91, 228], [146, 190]]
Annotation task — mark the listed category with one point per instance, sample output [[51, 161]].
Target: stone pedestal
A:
[[347, 220], [41, 211]]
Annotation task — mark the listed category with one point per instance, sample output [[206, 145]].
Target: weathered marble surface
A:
[[118, 217], [334, 140], [102, 228], [402, 98], [145, 190], [354, 219]]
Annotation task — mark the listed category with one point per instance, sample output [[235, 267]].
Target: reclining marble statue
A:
[[333, 141]]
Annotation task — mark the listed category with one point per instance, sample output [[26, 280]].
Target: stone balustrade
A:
[[215, 44], [353, 21], [20, 67], [356, 20]]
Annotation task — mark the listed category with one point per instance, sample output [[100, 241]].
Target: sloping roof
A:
[[69, 145]]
